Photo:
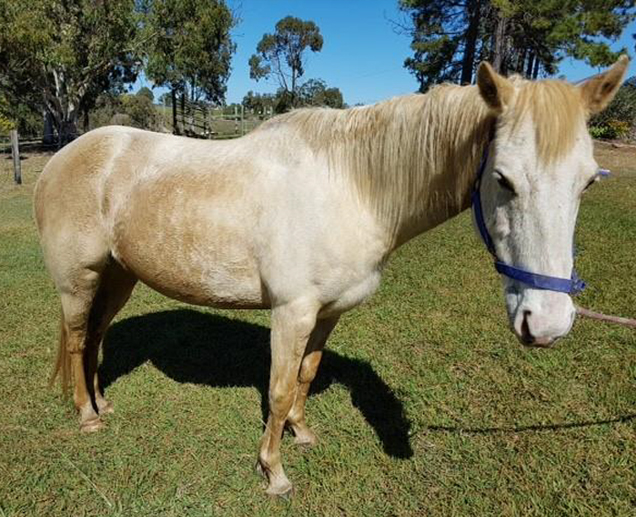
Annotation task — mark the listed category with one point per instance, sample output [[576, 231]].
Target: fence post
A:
[[15, 151]]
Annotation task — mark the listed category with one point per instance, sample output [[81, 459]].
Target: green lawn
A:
[[425, 403]]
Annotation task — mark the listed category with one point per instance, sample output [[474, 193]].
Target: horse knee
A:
[[280, 398]]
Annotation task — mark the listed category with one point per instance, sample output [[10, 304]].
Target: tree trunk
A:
[[86, 122], [535, 72], [65, 124], [183, 108], [175, 127], [48, 137], [468, 62], [499, 45], [521, 60], [68, 132], [530, 67]]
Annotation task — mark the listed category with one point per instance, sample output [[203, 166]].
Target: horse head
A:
[[538, 165]]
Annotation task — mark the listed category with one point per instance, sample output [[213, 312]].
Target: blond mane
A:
[[418, 154], [556, 109]]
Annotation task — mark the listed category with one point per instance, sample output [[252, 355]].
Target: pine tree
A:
[[528, 37]]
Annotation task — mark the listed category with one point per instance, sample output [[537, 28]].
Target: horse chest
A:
[[353, 294]]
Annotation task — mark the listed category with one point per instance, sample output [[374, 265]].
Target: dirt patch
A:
[[618, 158]]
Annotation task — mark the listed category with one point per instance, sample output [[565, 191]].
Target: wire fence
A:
[[201, 121]]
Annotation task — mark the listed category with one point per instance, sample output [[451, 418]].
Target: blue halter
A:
[[570, 285]]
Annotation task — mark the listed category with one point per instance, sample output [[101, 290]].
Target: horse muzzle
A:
[[543, 317]]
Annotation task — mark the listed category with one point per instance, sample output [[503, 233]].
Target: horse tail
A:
[[63, 362]]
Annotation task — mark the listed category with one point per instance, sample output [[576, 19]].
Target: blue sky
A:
[[362, 55]]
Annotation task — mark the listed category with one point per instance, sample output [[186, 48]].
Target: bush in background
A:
[[126, 110]]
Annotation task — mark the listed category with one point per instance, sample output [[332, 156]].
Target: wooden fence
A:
[[11, 145]]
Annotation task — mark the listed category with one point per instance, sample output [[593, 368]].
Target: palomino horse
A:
[[301, 215]]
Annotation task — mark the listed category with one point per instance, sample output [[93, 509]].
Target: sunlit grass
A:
[[425, 403]]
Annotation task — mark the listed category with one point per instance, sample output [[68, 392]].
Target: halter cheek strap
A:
[[570, 285]]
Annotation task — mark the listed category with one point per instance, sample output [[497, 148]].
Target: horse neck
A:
[[416, 164]]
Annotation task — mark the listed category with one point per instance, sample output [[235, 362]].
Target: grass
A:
[[425, 404]]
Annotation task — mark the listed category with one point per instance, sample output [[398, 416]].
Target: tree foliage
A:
[[144, 91], [312, 93], [315, 92], [127, 110], [58, 57], [283, 55], [529, 37], [189, 48], [262, 104]]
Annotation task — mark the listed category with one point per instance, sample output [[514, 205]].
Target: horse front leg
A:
[[313, 354], [292, 325]]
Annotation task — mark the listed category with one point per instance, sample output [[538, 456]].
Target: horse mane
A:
[[556, 108], [419, 153]]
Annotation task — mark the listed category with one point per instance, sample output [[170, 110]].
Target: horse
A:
[[300, 216]]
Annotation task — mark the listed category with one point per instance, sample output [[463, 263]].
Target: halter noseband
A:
[[570, 285]]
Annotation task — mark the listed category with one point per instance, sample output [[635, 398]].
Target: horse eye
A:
[[504, 182]]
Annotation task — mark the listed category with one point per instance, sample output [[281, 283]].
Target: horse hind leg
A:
[[89, 302], [115, 288], [76, 307]]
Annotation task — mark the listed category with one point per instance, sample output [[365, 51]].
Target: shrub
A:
[[125, 110], [6, 125]]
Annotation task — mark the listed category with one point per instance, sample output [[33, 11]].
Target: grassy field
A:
[[425, 404]]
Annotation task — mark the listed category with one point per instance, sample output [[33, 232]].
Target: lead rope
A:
[[587, 313], [572, 286], [628, 322]]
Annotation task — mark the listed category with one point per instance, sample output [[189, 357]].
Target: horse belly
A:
[[189, 251], [201, 274]]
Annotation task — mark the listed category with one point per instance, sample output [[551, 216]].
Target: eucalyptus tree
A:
[[57, 57], [189, 48], [283, 54]]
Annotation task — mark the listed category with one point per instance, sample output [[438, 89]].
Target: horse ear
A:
[[599, 91], [495, 89]]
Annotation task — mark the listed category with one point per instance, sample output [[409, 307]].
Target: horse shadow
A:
[[212, 350]]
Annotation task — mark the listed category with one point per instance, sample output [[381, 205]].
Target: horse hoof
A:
[[105, 408], [280, 490], [91, 426], [278, 486], [306, 439]]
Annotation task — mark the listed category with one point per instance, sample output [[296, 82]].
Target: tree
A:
[[283, 54], [144, 91], [57, 57], [126, 109], [316, 93], [189, 48], [449, 37], [261, 104]]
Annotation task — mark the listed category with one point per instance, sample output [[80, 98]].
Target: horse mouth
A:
[[538, 343]]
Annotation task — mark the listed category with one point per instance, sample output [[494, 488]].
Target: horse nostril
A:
[[526, 335]]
